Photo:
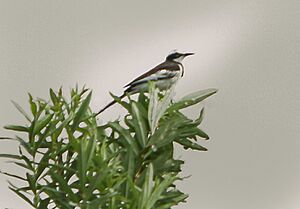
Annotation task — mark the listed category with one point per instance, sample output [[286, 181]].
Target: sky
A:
[[249, 50]]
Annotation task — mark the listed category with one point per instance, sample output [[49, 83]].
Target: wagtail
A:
[[163, 75]]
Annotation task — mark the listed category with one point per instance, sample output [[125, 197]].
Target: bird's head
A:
[[177, 57]]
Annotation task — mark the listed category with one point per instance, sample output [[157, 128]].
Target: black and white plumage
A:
[[163, 75]]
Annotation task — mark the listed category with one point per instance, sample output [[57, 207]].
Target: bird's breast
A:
[[167, 83], [181, 69]]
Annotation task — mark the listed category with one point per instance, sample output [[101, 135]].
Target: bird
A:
[[164, 75]]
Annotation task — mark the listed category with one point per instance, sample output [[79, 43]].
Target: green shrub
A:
[[73, 162]]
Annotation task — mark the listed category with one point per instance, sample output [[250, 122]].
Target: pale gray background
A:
[[247, 49]]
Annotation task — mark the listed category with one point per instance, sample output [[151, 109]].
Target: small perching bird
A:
[[163, 75]]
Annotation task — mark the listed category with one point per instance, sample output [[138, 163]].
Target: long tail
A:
[[110, 104]]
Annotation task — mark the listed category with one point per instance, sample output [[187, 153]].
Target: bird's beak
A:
[[188, 54]]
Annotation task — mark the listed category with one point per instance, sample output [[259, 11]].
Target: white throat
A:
[[179, 59]]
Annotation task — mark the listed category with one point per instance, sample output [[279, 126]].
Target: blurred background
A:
[[249, 50]]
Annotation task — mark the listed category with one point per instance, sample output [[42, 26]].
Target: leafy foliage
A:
[[73, 162]]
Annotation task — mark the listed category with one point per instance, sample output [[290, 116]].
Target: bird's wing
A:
[[164, 70]]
